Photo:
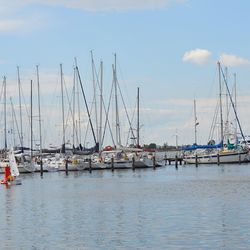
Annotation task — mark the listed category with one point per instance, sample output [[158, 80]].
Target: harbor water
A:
[[167, 208]]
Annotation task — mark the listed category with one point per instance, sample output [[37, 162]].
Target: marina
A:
[[124, 125]]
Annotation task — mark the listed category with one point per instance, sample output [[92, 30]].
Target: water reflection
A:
[[192, 208]]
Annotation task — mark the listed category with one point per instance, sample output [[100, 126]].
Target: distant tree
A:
[[152, 146]]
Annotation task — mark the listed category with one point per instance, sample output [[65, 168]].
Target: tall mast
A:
[[138, 118], [87, 108], [226, 129], [195, 123], [94, 89], [220, 97], [101, 100], [31, 120], [63, 119], [235, 113], [74, 98], [235, 103], [78, 122], [39, 108], [5, 116], [14, 121], [118, 133], [20, 107]]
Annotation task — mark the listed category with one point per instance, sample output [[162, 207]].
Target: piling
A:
[[218, 159], [239, 158], [90, 165], [112, 163], [165, 158], [66, 165], [154, 162], [176, 162], [196, 160], [133, 163], [41, 167]]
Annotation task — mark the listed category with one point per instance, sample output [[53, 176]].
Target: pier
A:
[[176, 159]]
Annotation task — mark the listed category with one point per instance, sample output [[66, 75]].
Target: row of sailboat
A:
[[228, 149], [98, 157]]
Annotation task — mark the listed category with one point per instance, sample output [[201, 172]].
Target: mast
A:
[[78, 121], [195, 123], [85, 101], [235, 104], [220, 97], [117, 123], [101, 100], [14, 121], [226, 129], [94, 89], [31, 121], [5, 117], [74, 97], [39, 108], [20, 107], [138, 118], [63, 119]]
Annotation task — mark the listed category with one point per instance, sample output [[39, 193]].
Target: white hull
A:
[[226, 157], [144, 162], [23, 169], [121, 164]]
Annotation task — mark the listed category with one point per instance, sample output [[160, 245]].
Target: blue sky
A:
[[167, 48]]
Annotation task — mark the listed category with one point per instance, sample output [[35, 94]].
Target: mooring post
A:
[[112, 163], [176, 162], [165, 158], [133, 163], [66, 165], [41, 166], [218, 159], [239, 158], [90, 165], [154, 162], [196, 160]]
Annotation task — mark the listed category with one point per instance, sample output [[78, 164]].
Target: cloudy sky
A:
[[167, 48]]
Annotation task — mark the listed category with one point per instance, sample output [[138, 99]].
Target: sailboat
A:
[[11, 171], [14, 169], [22, 161], [222, 152], [141, 158]]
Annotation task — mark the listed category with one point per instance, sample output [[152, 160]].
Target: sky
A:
[[167, 48]]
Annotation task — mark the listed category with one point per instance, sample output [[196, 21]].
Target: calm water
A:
[[193, 208]]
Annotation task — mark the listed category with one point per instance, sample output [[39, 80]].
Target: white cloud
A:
[[197, 56], [104, 5], [91, 5], [17, 15], [232, 60], [9, 25]]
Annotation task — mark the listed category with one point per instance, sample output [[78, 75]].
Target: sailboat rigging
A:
[[221, 152]]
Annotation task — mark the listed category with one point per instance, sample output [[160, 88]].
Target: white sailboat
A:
[[14, 168], [223, 152]]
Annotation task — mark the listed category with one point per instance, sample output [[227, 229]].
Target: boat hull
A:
[[228, 157]]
